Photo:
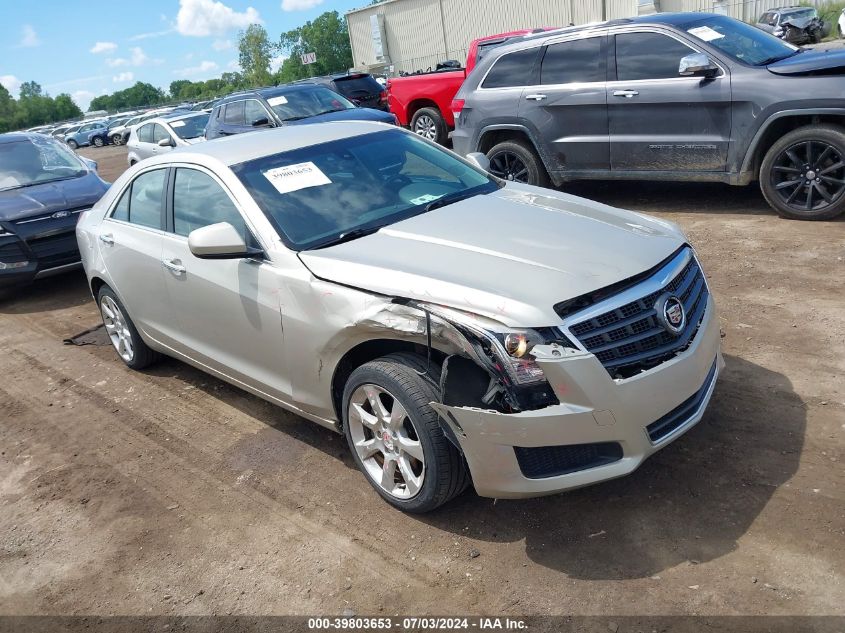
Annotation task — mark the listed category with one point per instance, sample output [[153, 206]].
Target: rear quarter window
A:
[[513, 69]]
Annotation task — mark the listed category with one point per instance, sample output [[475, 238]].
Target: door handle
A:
[[625, 93], [107, 238], [173, 265], [536, 97]]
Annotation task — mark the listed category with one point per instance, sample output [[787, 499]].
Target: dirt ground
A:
[[170, 492]]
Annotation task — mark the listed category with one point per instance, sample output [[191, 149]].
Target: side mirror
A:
[[479, 160], [220, 241], [166, 142], [92, 164], [697, 64], [261, 122]]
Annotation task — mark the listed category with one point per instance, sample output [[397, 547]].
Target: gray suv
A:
[[685, 96]]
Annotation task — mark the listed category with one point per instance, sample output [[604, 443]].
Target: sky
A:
[[92, 47]]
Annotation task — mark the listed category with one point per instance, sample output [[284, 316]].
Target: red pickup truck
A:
[[423, 101]]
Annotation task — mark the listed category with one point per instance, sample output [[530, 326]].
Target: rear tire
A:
[[98, 141], [804, 168], [380, 439], [429, 123], [517, 161], [128, 344]]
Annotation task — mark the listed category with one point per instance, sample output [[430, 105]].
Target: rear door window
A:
[[234, 113], [577, 61], [648, 56], [145, 133], [513, 69], [141, 202]]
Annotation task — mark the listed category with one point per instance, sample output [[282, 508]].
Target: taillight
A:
[[382, 97], [457, 108]]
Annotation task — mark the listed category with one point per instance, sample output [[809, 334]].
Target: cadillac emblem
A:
[[671, 314]]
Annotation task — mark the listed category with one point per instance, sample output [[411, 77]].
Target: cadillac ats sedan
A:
[[458, 329]]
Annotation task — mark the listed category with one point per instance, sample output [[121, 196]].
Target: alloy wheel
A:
[[386, 441], [508, 166], [425, 126], [809, 176], [117, 328], [98, 141]]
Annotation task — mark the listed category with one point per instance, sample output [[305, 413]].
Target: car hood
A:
[[510, 255], [810, 61], [17, 204], [352, 114]]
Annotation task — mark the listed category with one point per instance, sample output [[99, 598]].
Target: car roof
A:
[[240, 148], [268, 92], [16, 137], [182, 114]]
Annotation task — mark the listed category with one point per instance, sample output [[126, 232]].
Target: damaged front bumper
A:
[[603, 428]]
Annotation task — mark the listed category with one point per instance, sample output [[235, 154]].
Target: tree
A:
[[65, 108], [8, 106], [137, 96], [30, 89], [327, 36], [254, 51], [176, 88]]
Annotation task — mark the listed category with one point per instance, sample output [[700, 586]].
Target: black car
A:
[[44, 187], [285, 105], [360, 88]]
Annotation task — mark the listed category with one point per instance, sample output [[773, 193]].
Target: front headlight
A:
[[509, 349]]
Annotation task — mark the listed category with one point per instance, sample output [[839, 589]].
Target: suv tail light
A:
[[382, 96], [457, 108]]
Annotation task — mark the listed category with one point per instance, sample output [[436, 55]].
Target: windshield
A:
[[36, 160], [743, 42], [320, 194], [190, 127], [304, 102]]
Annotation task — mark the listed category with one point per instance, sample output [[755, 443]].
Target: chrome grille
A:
[[630, 338]]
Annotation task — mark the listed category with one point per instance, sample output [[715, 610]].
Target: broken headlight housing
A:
[[515, 351]]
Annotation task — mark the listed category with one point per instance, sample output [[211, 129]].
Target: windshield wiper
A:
[[347, 236], [450, 199], [41, 182]]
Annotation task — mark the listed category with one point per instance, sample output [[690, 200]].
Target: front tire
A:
[[429, 123], [517, 161], [395, 436], [122, 332], [98, 141], [73, 144], [802, 175]]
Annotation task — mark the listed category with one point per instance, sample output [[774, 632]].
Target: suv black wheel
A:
[[803, 174], [428, 122], [518, 162], [395, 436]]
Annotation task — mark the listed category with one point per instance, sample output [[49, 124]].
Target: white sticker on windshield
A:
[[274, 101], [296, 177], [177, 124], [705, 33], [424, 198]]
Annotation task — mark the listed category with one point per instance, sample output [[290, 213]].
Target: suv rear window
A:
[[578, 61], [357, 86], [513, 69]]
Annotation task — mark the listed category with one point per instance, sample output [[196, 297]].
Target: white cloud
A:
[[137, 58], [222, 45], [234, 65], [201, 18], [104, 47], [123, 77], [204, 67], [299, 5], [146, 36], [83, 98], [29, 37], [10, 83], [276, 62]]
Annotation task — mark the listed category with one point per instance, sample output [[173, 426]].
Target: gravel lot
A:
[[169, 492]]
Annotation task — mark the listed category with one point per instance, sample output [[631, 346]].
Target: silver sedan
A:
[[455, 327], [163, 133]]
